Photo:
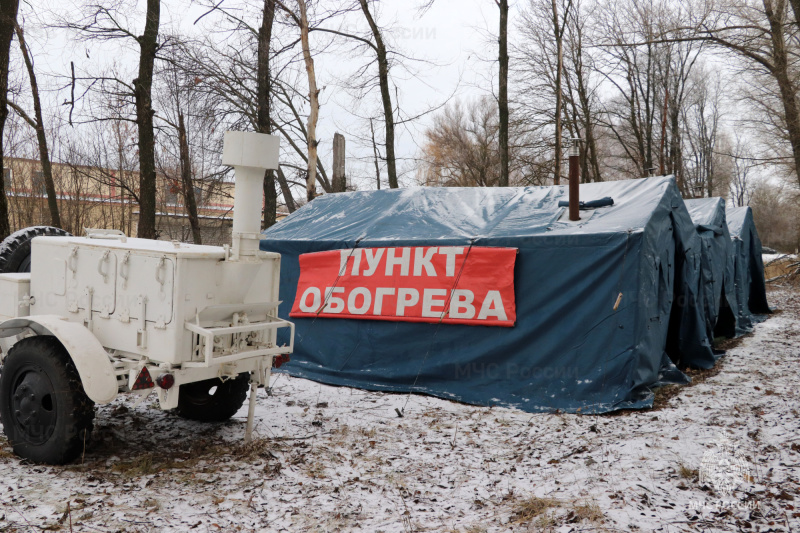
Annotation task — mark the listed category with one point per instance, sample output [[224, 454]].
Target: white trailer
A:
[[104, 314]]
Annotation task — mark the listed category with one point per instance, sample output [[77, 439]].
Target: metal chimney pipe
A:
[[250, 154], [574, 179]]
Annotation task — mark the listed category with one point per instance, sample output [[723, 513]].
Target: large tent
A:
[[595, 301], [708, 215], [751, 291]]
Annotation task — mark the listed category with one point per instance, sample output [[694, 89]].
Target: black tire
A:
[[197, 401], [45, 412], [15, 250]]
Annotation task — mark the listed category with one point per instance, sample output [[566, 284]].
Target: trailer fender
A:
[[90, 358]]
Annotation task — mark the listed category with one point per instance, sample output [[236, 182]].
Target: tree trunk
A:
[[263, 113], [593, 162], [286, 191], [662, 168], [649, 112], [503, 94], [44, 154], [796, 11], [675, 155], [559, 69], [143, 85], [780, 70], [8, 17], [375, 156], [383, 80], [313, 98], [188, 184], [116, 128], [577, 126]]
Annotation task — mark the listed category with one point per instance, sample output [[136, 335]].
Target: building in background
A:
[[93, 197]]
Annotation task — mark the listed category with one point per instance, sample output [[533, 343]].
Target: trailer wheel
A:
[[15, 250], [213, 400], [45, 412]]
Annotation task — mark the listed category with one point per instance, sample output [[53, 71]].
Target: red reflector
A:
[[278, 360], [143, 380], [165, 381]]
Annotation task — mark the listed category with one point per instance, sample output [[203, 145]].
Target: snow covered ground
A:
[[768, 258], [339, 459]]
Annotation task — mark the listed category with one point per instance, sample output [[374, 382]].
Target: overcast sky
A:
[[454, 41]]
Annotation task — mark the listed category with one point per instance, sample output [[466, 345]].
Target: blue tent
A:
[[602, 304], [708, 215], [751, 289]]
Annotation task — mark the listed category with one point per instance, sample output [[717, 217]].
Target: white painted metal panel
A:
[[93, 277], [151, 277], [13, 289]]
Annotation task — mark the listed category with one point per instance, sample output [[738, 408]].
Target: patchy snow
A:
[[332, 459], [769, 258]]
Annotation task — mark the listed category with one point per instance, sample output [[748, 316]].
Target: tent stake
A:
[[251, 411]]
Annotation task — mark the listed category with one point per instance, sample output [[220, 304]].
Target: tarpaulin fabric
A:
[[751, 289], [595, 299], [708, 215]]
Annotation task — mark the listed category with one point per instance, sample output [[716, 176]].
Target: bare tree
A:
[[37, 123], [461, 147], [701, 117], [143, 86], [386, 98], [775, 212], [263, 96], [760, 33], [556, 98], [103, 23], [375, 155], [8, 17], [187, 183], [633, 113], [268, 97], [313, 98], [375, 41], [742, 163], [649, 63], [558, 34], [502, 100], [581, 92]]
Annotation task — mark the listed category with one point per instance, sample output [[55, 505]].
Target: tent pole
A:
[[574, 179]]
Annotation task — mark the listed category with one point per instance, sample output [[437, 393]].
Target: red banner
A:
[[449, 284]]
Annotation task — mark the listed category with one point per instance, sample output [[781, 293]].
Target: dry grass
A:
[[783, 271], [152, 503], [144, 465], [664, 394], [5, 449], [687, 473], [316, 470], [203, 457], [527, 509], [547, 521], [550, 513], [149, 464], [779, 267], [589, 512]]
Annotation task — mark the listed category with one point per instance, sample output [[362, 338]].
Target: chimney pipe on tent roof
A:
[[574, 179]]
